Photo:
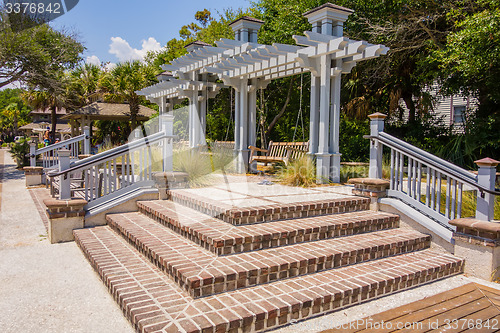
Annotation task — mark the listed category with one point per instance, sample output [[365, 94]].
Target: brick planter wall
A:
[[479, 243], [64, 217]]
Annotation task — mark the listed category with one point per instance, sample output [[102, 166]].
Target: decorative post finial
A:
[[246, 29], [328, 19]]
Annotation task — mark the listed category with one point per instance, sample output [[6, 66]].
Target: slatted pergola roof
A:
[[232, 59]]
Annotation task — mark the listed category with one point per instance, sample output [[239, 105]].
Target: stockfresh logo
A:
[[25, 14]]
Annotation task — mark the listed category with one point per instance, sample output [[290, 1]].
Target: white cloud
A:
[[124, 52], [94, 60], [109, 66]]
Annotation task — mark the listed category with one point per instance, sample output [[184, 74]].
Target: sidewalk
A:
[[45, 287]]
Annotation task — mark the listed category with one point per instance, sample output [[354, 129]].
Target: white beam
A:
[[317, 37], [301, 40]]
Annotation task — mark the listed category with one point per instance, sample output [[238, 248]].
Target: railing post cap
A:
[[487, 162], [376, 116], [63, 152]]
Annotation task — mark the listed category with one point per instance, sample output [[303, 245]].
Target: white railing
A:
[[430, 184], [111, 173], [77, 145]]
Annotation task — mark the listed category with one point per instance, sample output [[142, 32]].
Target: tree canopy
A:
[[34, 55], [14, 113], [122, 82]]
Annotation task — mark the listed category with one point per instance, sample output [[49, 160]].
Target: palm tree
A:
[[85, 82], [15, 115], [41, 99], [120, 85]]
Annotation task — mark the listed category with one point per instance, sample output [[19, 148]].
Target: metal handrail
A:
[[61, 144], [80, 164], [443, 166]]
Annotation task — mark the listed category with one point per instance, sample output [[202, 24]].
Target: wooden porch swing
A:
[[283, 152]]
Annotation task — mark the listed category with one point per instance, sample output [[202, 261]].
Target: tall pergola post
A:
[[323, 154], [165, 124], [314, 114], [335, 124], [197, 102], [245, 30], [325, 92]]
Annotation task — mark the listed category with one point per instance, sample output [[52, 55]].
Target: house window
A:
[[458, 114]]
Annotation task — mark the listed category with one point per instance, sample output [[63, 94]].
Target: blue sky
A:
[[118, 30]]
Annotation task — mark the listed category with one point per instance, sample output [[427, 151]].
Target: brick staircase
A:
[[173, 268]]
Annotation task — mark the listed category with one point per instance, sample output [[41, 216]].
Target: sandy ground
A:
[[45, 287], [51, 287]]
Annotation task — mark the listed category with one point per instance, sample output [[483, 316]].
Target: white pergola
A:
[[247, 66]]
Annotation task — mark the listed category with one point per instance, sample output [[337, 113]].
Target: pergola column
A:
[[193, 106], [236, 120], [243, 152], [166, 120], [163, 105], [335, 125], [73, 128], [323, 155], [314, 114], [203, 99], [252, 114]]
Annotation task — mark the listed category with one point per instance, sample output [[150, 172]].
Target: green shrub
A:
[[353, 171], [196, 164], [469, 203], [222, 159], [18, 150], [301, 172], [352, 145]]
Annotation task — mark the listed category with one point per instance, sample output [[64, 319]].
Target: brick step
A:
[[267, 213], [154, 303], [222, 238], [202, 273]]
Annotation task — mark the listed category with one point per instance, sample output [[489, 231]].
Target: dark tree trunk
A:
[[15, 125], [408, 98], [134, 111], [53, 120]]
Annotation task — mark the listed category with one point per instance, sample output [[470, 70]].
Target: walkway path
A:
[[45, 287]]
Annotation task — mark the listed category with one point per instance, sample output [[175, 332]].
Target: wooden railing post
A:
[[376, 126], [33, 146], [486, 175], [64, 179], [168, 128], [86, 141]]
